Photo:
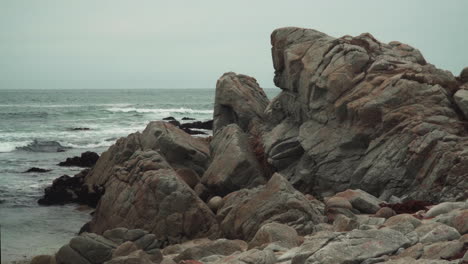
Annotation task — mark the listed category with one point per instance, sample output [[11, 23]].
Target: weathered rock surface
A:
[[220, 247], [245, 211], [361, 200], [116, 246], [234, 165], [280, 234], [146, 193], [461, 98], [240, 100], [358, 113], [178, 148]]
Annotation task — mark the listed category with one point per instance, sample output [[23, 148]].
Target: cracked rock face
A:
[[145, 192], [245, 211], [358, 113], [234, 166]]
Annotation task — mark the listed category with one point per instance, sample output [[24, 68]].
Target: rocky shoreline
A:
[[362, 158]]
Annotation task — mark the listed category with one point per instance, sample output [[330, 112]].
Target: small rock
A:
[[35, 169], [361, 200], [338, 202], [124, 249], [280, 234], [215, 203], [344, 224], [385, 212]]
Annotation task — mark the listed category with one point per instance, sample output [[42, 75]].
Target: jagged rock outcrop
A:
[[245, 211], [145, 192], [355, 112], [239, 99], [234, 165]]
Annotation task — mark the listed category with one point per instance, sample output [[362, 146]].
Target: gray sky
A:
[[189, 44]]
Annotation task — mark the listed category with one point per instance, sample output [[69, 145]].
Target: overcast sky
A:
[[189, 44]]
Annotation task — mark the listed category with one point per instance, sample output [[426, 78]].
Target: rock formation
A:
[[362, 158], [355, 112]]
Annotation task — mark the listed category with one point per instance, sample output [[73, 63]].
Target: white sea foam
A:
[[11, 146], [181, 110]]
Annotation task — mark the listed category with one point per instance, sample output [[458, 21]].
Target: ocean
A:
[[28, 229]]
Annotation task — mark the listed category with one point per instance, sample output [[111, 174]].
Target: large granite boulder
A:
[[240, 100], [357, 113], [246, 211], [179, 149], [146, 193], [234, 165]]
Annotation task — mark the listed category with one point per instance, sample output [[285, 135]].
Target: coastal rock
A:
[[87, 159], [464, 75], [136, 257], [234, 165], [367, 115], [145, 192], [44, 146], [461, 98], [66, 189], [338, 202], [178, 148], [249, 257], [444, 208], [357, 246], [215, 203], [280, 234], [385, 212], [361, 201], [35, 169], [220, 247], [245, 211], [207, 125], [240, 100]]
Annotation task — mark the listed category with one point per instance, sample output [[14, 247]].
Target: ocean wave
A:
[[90, 145], [181, 110], [62, 105], [11, 146]]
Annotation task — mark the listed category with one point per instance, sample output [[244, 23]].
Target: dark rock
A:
[[44, 146], [187, 118], [169, 118], [174, 122], [66, 189], [87, 159], [80, 129], [35, 169], [208, 125]]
